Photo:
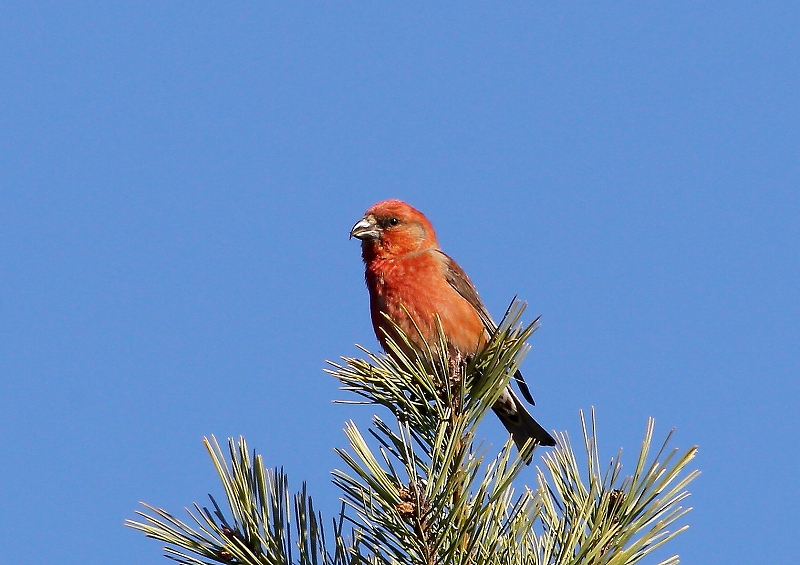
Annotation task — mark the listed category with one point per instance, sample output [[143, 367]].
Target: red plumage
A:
[[409, 277]]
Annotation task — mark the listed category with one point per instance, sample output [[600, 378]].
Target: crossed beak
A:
[[365, 228]]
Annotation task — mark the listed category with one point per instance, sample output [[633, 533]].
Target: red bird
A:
[[406, 271]]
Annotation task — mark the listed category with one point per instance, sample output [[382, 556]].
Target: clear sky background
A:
[[179, 179]]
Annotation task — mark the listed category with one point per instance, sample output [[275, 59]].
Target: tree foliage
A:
[[420, 489]]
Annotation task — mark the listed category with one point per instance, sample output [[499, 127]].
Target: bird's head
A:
[[393, 228]]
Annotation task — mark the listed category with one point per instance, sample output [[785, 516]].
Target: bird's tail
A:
[[519, 422]]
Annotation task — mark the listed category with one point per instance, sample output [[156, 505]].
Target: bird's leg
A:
[[456, 378]]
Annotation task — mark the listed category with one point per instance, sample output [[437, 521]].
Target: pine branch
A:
[[433, 500], [418, 489], [264, 517], [607, 519]]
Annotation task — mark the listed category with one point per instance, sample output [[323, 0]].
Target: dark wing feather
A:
[[459, 280]]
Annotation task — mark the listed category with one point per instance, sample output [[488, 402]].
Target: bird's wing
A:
[[459, 280]]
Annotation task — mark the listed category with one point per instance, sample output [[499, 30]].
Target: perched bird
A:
[[409, 277]]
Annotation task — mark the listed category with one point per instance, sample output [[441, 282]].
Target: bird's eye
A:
[[393, 221]]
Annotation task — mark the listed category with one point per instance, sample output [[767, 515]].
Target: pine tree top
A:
[[423, 490]]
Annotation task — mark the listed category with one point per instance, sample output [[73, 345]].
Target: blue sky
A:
[[178, 182]]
